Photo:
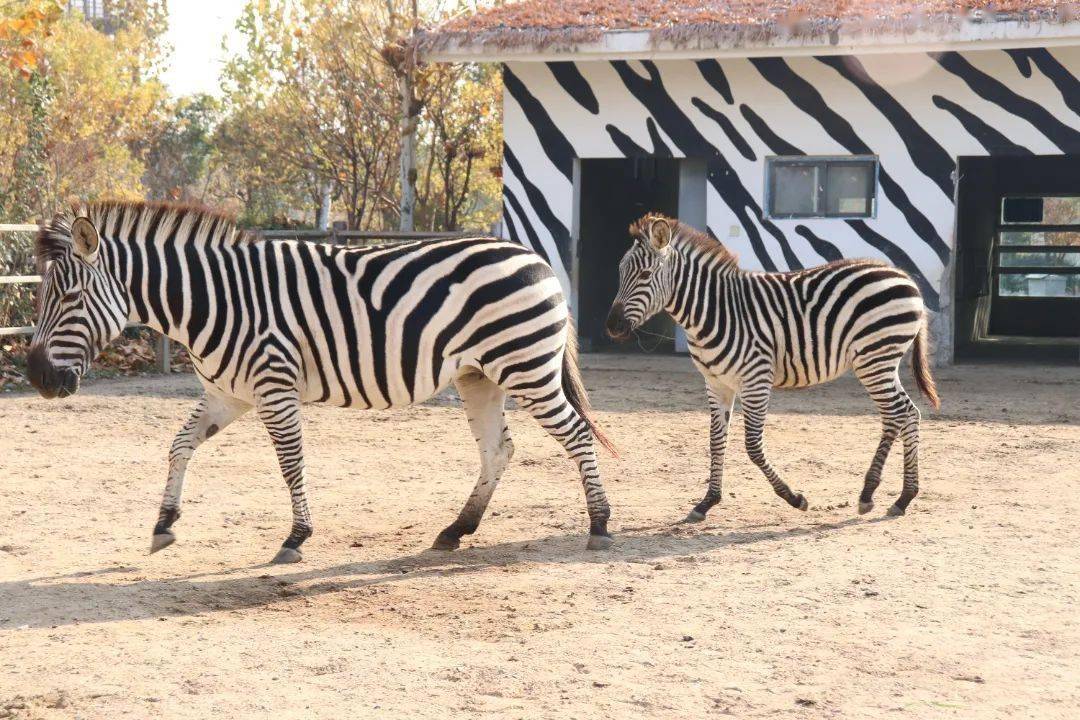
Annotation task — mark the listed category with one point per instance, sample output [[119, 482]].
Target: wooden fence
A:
[[355, 237], [337, 237], [17, 279]]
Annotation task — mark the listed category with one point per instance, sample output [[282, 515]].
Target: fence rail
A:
[[336, 237], [346, 237], [18, 279]]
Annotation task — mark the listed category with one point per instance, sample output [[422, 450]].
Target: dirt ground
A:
[[967, 607]]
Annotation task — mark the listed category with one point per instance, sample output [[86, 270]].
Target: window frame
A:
[[823, 162], [999, 248]]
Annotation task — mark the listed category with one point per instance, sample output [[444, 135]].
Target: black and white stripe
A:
[[273, 325], [750, 332], [916, 112]]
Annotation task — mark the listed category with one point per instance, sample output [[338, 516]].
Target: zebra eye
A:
[[69, 298], [645, 274]]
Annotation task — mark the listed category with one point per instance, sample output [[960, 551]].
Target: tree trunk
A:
[[409, 121], [323, 215]]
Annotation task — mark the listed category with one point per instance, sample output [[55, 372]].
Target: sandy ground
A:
[[965, 608]]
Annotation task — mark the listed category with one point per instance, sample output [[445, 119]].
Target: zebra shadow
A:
[[91, 597]]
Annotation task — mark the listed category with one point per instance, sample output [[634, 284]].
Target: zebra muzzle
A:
[[48, 379], [618, 327]]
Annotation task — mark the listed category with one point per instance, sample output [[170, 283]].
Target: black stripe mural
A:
[[925, 151], [652, 94], [916, 113]]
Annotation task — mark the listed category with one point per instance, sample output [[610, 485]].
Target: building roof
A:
[[568, 26]]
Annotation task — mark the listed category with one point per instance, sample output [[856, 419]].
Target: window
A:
[[1037, 253], [827, 187], [1040, 211]]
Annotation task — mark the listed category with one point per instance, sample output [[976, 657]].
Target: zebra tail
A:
[[574, 389], [920, 365]]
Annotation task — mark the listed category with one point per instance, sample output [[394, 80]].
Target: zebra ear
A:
[[86, 239], [660, 234]]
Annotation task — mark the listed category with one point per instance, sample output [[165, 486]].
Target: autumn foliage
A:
[[22, 32]]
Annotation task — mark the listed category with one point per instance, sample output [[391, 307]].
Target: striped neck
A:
[[145, 283], [148, 250], [698, 275]]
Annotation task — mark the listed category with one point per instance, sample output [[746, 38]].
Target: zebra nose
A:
[[618, 328], [42, 373]]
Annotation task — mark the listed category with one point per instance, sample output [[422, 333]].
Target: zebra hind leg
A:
[[484, 404], [882, 381], [550, 407], [212, 414], [910, 436]]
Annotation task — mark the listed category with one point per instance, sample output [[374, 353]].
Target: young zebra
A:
[[272, 325], [751, 331]]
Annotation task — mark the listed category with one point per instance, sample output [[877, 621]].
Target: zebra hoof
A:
[[803, 504], [895, 511], [287, 555], [865, 507], [446, 542], [694, 517], [599, 542], [161, 541]]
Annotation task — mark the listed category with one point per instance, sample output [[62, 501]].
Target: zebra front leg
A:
[[721, 401], [484, 404], [279, 411], [755, 405], [212, 414]]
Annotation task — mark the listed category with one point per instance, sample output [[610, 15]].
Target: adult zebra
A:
[[749, 332], [276, 324]]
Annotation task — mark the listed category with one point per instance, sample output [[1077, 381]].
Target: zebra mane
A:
[[703, 242], [54, 238], [53, 241]]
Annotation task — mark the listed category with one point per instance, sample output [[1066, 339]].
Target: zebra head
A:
[[644, 276], [80, 307]]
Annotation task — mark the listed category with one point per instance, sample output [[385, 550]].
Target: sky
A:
[[196, 29]]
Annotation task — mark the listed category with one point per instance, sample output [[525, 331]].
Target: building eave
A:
[[645, 45]]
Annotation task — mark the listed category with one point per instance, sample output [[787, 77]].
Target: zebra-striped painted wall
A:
[[917, 112]]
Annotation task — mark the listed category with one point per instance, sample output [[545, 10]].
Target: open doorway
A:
[[613, 194], [1018, 258]]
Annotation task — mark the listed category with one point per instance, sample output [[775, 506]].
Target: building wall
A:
[[917, 112]]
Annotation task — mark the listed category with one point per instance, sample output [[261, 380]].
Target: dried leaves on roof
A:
[[548, 22]]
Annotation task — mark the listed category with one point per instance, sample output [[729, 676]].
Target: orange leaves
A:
[[20, 34], [24, 61]]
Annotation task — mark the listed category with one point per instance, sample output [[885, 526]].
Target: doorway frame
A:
[[692, 210], [973, 263]]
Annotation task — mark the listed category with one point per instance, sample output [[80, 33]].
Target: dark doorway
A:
[[1018, 258], [615, 193]]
